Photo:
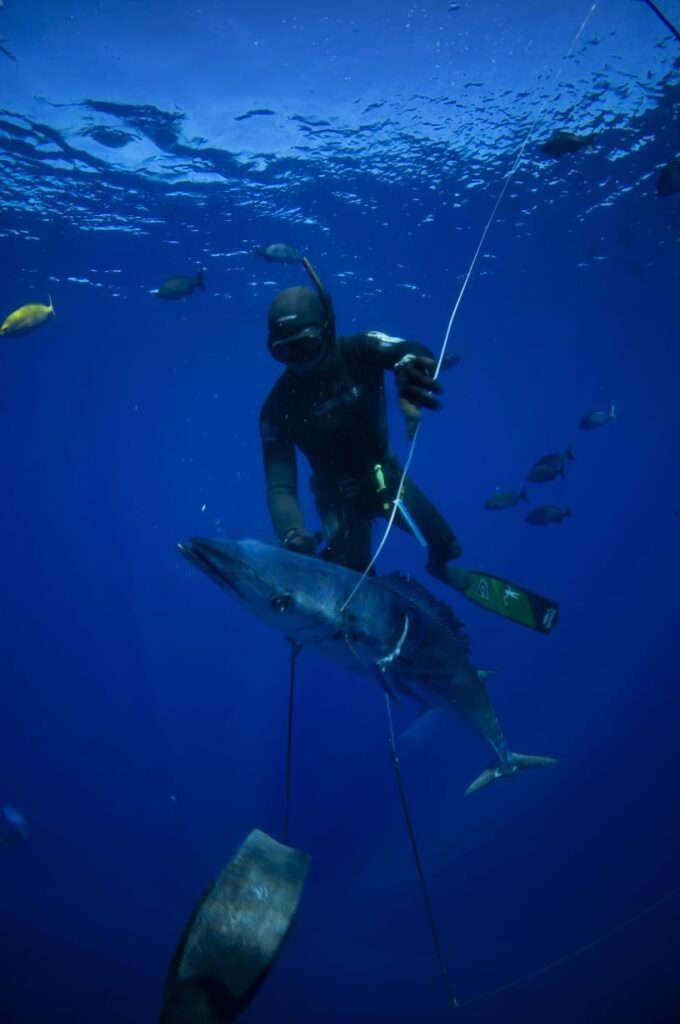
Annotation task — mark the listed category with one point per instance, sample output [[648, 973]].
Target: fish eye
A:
[[282, 602]]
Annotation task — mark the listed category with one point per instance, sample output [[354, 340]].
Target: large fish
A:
[[392, 628]]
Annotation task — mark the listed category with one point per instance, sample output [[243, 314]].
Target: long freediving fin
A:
[[510, 600]]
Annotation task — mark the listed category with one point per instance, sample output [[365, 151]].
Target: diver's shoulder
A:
[[279, 393]]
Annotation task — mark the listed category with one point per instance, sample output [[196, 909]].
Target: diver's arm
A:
[[280, 470], [413, 365], [378, 349]]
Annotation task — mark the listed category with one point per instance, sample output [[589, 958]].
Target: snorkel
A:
[[326, 300]]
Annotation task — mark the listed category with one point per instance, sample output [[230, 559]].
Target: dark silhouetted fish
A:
[[505, 499], [178, 287], [597, 418], [452, 359], [668, 181], [544, 472], [278, 252], [562, 143], [550, 466], [557, 458], [545, 515]]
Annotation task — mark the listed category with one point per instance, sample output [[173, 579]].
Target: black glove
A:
[[302, 541], [415, 382], [413, 374]]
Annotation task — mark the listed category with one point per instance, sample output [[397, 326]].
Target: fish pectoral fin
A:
[[496, 770]]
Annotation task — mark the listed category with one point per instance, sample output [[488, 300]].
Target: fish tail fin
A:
[[498, 770], [200, 280], [613, 412], [523, 495], [51, 305], [568, 513], [569, 454]]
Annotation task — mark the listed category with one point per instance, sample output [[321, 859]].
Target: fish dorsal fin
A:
[[417, 594]]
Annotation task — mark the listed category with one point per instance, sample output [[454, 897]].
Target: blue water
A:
[[144, 715]]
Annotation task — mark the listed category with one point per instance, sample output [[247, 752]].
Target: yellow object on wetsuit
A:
[[380, 482]]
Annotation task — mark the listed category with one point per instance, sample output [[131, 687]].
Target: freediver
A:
[[330, 404]]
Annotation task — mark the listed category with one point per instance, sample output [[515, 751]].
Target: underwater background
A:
[[144, 713]]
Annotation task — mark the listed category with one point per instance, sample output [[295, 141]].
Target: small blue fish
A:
[[550, 466], [180, 287], [278, 252], [505, 499], [452, 359], [545, 515], [597, 418], [562, 143]]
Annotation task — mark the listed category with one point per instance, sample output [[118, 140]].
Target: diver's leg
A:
[[491, 592], [348, 537], [442, 544]]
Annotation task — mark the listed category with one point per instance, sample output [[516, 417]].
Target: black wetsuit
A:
[[336, 415]]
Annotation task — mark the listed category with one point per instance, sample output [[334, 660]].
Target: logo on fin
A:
[[549, 618]]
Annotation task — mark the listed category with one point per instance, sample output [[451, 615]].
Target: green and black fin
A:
[[512, 602], [509, 600]]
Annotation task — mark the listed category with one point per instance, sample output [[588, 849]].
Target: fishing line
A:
[[399, 498], [669, 24], [577, 952], [453, 1002], [295, 648]]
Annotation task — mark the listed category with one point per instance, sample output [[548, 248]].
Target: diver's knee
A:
[[442, 553]]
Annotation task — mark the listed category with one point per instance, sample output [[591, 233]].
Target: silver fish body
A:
[[391, 629]]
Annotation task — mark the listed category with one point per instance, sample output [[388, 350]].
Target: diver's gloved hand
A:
[[304, 542], [417, 389], [415, 382]]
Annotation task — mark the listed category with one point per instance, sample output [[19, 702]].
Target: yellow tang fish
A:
[[27, 318]]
